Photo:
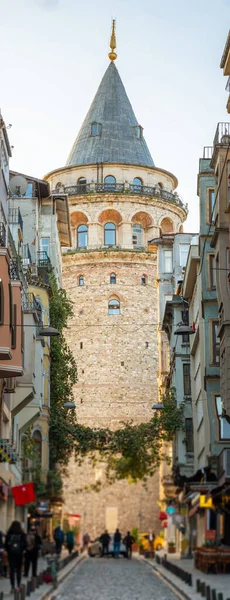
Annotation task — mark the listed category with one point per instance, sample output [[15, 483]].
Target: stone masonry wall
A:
[[117, 358]]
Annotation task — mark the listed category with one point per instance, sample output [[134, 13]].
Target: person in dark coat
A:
[[34, 544], [70, 541], [15, 545], [59, 539], [105, 539], [117, 543], [128, 542]]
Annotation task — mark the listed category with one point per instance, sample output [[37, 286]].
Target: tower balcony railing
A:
[[127, 188], [43, 259]]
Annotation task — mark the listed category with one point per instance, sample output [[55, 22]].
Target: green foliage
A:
[[63, 375], [34, 472], [134, 534], [131, 452]]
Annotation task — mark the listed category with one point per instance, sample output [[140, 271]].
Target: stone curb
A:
[[50, 594], [181, 594]]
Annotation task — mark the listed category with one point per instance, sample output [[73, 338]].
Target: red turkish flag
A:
[[23, 494]]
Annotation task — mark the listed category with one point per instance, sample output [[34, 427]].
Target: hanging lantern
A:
[[170, 510], [164, 524]]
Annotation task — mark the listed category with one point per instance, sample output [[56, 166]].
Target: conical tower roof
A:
[[120, 138]]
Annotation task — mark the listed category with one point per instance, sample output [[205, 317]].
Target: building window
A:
[[215, 344], [112, 278], [185, 319], [184, 248], [110, 234], [59, 187], [137, 185], [81, 280], [224, 426], [186, 379], [189, 435], [139, 132], [29, 191], [212, 271], [81, 345], [143, 280], [45, 245], [37, 438], [1, 303], [82, 236], [168, 261], [211, 204], [114, 307], [95, 128], [81, 182], [137, 235], [110, 183]]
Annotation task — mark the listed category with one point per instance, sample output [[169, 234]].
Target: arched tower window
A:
[[114, 307], [81, 182], [137, 184], [37, 438], [137, 235], [113, 278], [81, 280], [110, 234], [143, 280], [82, 236], [160, 185], [110, 183], [59, 187]]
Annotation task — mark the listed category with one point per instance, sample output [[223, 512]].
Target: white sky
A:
[[54, 54]]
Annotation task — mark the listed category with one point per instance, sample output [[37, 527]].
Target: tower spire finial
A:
[[112, 55]]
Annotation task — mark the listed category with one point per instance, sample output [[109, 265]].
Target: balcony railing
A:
[[43, 259], [2, 235], [15, 217], [222, 135], [29, 302], [208, 152], [26, 255], [143, 190], [14, 269]]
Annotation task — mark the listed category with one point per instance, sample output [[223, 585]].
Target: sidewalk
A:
[[45, 590], [221, 583]]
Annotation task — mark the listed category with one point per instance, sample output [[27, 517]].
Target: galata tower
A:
[[118, 201]]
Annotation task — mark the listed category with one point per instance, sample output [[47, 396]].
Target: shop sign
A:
[[210, 535], [206, 502]]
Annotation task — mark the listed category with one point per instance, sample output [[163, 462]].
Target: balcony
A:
[[15, 217], [2, 235], [14, 269], [26, 255], [43, 259], [121, 188], [222, 135]]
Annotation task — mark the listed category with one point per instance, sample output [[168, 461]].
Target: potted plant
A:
[[171, 547]]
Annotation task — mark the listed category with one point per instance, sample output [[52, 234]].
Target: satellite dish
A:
[[18, 185]]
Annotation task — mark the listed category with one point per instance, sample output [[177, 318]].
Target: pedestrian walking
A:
[[151, 538], [105, 539], [34, 544], [86, 540], [70, 541], [15, 545], [59, 539], [128, 542], [117, 543]]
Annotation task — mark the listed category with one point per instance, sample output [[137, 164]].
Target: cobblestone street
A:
[[109, 579]]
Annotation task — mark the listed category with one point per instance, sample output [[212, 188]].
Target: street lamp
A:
[[69, 405], [158, 406], [49, 332], [184, 329]]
